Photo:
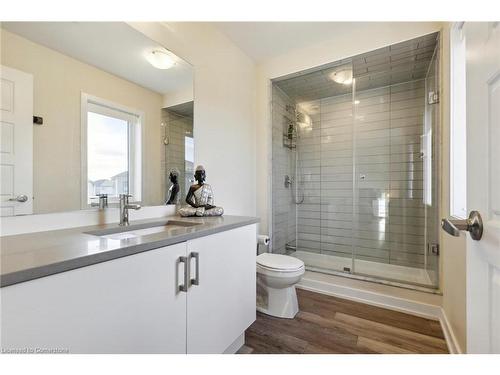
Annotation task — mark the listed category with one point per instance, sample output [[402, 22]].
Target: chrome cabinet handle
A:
[[473, 224], [196, 256], [20, 198], [184, 287]]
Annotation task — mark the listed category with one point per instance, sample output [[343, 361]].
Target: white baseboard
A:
[[236, 345], [387, 301], [449, 335]]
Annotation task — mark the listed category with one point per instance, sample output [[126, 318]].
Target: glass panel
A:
[[107, 155], [284, 153], [395, 222], [312, 167], [430, 156], [336, 160]]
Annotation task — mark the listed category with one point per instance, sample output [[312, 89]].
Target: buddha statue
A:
[[200, 198], [173, 191]]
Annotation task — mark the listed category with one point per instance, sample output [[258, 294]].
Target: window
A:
[[458, 137], [111, 151]]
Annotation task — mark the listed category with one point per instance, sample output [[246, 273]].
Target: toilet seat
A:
[[279, 263]]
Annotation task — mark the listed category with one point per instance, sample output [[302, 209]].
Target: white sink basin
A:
[[139, 230]]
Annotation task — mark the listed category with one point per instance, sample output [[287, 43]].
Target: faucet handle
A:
[[124, 197], [103, 201]]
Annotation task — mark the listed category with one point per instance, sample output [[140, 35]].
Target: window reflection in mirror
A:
[[112, 138]]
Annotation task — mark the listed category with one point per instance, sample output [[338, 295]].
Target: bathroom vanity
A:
[[164, 285]]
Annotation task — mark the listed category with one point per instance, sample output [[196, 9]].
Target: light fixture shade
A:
[[160, 58], [343, 76]]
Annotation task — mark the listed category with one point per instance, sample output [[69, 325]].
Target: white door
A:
[[482, 41], [16, 142], [222, 304], [126, 305]]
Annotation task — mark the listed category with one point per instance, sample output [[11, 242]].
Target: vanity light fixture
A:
[[160, 58], [342, 76]]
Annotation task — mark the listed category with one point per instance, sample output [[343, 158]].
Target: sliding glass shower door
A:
[[324, 172]]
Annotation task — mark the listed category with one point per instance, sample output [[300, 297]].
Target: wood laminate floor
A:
[[328, 324]]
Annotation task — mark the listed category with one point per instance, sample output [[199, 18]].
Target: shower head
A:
[[301, 117], [303, 121]]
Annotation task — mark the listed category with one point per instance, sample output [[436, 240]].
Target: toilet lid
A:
[[279, 262]]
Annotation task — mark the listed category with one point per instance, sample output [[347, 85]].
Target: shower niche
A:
[[358, 139]]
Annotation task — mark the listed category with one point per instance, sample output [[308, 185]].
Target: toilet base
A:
[[281, 303]]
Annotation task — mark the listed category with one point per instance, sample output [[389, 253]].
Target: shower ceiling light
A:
[[342, 76], [160, 58]]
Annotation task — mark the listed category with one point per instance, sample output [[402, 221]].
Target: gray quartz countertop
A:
[[30, 256]]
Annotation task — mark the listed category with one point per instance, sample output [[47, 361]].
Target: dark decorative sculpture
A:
[[173, 191], [200, 198]]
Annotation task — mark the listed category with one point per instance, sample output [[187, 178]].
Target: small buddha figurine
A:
[[200, 198], [173, 191]]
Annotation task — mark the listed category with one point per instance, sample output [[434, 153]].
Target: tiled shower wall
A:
[[284, 210], [388, 224], [175, 128]]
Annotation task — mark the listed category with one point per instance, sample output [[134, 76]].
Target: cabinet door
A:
[[127, 305], [222, 306]]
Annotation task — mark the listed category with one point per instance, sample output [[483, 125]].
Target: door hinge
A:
[[433, 97], [433, 249]]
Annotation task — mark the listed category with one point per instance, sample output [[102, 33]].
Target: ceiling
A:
[[401, 62], [114, 47], [264, 40]]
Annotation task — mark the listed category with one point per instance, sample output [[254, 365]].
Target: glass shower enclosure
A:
[[355, 184]]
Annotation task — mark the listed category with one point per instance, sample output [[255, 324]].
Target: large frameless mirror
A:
[[91, 109]]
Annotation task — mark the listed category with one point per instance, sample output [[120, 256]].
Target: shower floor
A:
[[365, 268]]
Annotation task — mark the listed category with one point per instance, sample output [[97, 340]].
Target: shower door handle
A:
[[473, 224]]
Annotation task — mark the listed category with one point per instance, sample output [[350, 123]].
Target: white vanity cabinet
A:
[[127, 305], [222, 304], [133, 304]]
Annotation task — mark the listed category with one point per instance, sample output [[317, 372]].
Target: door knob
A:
[[20, 198], [473, 224]]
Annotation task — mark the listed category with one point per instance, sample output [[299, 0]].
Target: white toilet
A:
[[276, 278]]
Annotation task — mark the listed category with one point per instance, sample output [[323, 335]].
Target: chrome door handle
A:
[[196, 256], [184, 287], [20, 198], [473, 224]]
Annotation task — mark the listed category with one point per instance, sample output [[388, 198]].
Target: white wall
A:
[[357, 38], [453, 256], [224, 110], [181, 96]]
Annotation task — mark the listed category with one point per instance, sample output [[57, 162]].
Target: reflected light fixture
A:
[[160, 58], [342, 76]]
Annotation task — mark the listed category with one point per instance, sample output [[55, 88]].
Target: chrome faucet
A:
[[103, 201], [124, 207]]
